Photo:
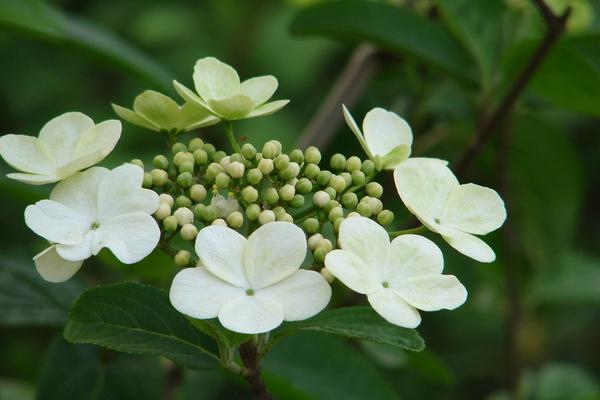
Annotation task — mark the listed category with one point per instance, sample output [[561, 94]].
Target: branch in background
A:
[[250, 358], [555, 27], [352, 82]]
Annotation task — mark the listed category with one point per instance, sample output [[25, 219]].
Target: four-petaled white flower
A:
[[457, 212], [219, 90], [387, 138], [398, 277], [68, 143], [94, 209], [252, 285], [157, 112]]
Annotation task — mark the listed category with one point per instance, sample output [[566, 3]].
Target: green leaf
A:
[[357, 323], [28, 300], [38, 19], [559, 381], [392, 28], [135, 318]]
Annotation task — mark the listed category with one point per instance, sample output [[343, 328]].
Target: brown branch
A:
[[555, 26], [250, 358], [173, 381]]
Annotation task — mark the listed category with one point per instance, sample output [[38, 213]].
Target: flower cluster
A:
[[260, 233]]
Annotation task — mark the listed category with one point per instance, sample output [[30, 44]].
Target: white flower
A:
[[219, 90], [457, 212], [91, 210], [398, 277], [224, 206], [157, 112], [68, 143], [387, 138], [251, 285]]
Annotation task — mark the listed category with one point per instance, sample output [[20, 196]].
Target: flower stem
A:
[[418, 229], [251, 359], [231, 137]]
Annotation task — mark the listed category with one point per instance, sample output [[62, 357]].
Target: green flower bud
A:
[[285, 217], [188, 232], [311, 225], [353, 214], [248, 151], [338, 183], [279, 211], [331, 192], [311, 171], [170, 224], [304, 186], [335, 213], [319, 255], [266, 166], [364, 209], [347, 177], [200, 157], [184, 216], [185, 180], [160, 162], [182, 157], [186, 166], [163, 211], [138, 162], [195, 144], [324, 177], [321, 198], [325, 273], [182, 201], [235, 220], [297, 201], [314, 240], [338, 162], [385, 217], [376, 205], [236, 157], [270, 150], [281, 161], [219, 222], [178, 147], [199, 211], [331, 204], [290, 172], [209, 213], [353, 164], [349, 200], [266, 216], [198, 192], [159, 177], [210, 150], [374, 189], [325, 244], [214, 169], [147, 182], [254, 176], [358, 178], [236, 169], [249, 194], [312, 155], [287, 192], [368, 167], [297, 156], [224, 162], [183, 258], [166, 198], [219, 155], [222, 180], [252, 212], [271, 195], [336, 224]]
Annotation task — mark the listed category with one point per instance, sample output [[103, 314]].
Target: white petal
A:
[[78, 164], [61, 134], [385, 130], [356, 130], [367, 240], [101, 138], [413, 255], [121, 192], [53, 268], [267, 109], [157, 108], [130, 237], [33, 179], [199, 294], [192, 116], [259, 89], [471, 246], [474, 209], [393, 309], [27, 154], [80, 192], [221, 251], [424, 185], [79, 251], [353, 272], [133, 118], [232, 108], [55, 222], [188, 95], [433, 292], [250, 314], [214, 79], [395, 157], [273, 251], [301, 295]]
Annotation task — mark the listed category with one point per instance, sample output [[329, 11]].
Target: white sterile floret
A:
[[457, 212], [398, 278], [219, 91], [91, 210], [386, 137], [68, 143], [252, 285]]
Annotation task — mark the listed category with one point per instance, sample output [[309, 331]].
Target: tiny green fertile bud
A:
[[368, 167], [353, 214], [335, 213], [338, 162], [235, 220], [376, 205], [214, 169], [182, 201], [178, 147], [185, 180], [311, 225], [219, 155], [347, 177], [271, 195], [236, 157], [331, 204], [163, 211], [319, 254], [252, 212], [314, 240], [324, 177], [200, 157], [311, 171], [170, 224], [269, 150], [188, 232], [353, 164], [219, 222], [222, 180], [364, 209], [281, 161], [199, 211], [297, 156], [297, 201], [159, 177], [266, 216], [331, 192], [374, 189], [210, 150], [224, 162], [182, 157], [147, 181], [312, 155], [249, 194], [304, 186], [183, 258], [285, 217], [336, 224], [349, 200], [195, 144], [325, 273], [184, 216], [266, 166], [290, 172], [209, 213], [186, 166], [287, 192], [358, 178], [338, 183], [138, 162], [385, 217], [236, 169], [254, 176], [160, 162], [321, 198], [325, 244], [278, 211], [198, 192], [166, 198], [248, 151]]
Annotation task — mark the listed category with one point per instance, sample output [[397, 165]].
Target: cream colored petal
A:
[[55, 222], [157, 108], [384, 130], [33, 179], [266, 109], [433, 292], [188, 95], [231, 108], [61, 135], [410, 256], [103, 137], [80, 192], [79, 251], [251, 315], [27, 154], [393, 309], [367, 240], [356, 130], [273, 252], [259, 89], [353, 272], [133, 118], [214, 79], [78, 164], [471, 246], [398, 154], [53, 268], [193, 116]]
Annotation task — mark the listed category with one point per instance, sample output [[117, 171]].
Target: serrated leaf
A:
[[135, 318]]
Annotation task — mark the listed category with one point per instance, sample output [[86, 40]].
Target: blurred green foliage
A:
[[530, 327]]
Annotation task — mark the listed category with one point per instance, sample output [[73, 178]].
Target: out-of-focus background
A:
[[531, 326]]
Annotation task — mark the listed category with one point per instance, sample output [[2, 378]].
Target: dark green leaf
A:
[[392, 28], [135, 318], [133, 377], [560, 381], [358, 323]]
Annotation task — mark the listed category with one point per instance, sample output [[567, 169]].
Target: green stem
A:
[[418, 229], [309, 211], [231, 137]]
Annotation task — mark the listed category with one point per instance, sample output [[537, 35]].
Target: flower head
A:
[[252, 285], [91, 210], [457, 212], [387, 138], [157, 112], [398, 277], [68, 143], [219, 90]]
